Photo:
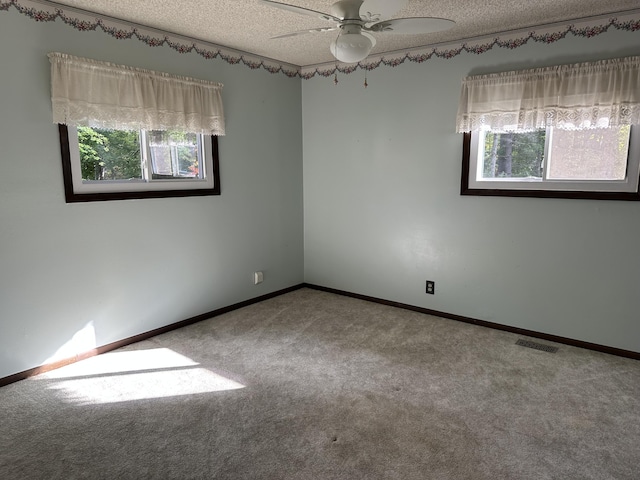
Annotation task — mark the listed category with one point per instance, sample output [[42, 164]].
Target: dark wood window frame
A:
[[466, 190], [72, 197]]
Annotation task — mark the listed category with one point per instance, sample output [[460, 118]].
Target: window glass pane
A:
[[594, 154], [513, 155], [109, 154], [174, 154]]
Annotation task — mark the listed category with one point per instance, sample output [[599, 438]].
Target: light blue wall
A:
[[383, 212], [120, 268]]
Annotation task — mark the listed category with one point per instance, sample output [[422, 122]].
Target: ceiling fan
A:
[[356, 18]]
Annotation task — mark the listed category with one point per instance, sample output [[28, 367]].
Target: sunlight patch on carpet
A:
[[134, 375]]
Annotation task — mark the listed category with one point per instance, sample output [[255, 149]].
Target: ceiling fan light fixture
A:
[[351, 47]]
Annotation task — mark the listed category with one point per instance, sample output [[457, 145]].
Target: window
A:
[[568, 131], [589, 163], [133, 133], [106, 164]]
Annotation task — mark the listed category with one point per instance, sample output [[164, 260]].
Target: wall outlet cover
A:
[[431, 287]]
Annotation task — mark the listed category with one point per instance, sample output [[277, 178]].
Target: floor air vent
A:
[[537, 346]]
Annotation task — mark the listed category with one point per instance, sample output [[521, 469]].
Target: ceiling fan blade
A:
[[301, 10], [376, 10], [304, 32], [412, 25]]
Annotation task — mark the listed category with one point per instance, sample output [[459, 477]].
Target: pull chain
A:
[[365, 79]]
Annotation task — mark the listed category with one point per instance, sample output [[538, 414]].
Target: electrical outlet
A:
[[431, 287]]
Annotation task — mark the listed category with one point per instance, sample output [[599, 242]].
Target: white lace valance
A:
[[104, 95], [585, 95]]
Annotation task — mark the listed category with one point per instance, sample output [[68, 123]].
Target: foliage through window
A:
[[552, 154], [109, 154], [122, 155]]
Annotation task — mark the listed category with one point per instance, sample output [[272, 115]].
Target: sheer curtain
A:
[[586, 95], [90, 93]]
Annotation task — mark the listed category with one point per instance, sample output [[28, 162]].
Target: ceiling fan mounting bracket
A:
[[347, 10]]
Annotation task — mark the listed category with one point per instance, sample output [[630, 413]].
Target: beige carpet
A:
[[311, 385]]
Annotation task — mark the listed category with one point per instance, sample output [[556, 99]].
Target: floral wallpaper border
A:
[[43, 11], [547, 34]]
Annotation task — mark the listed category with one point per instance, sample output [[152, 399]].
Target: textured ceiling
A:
[[248, 25]]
